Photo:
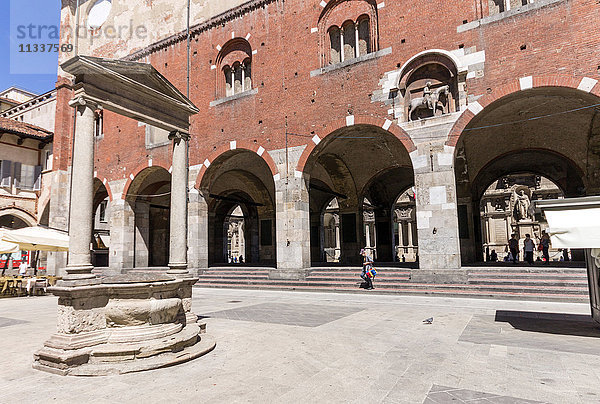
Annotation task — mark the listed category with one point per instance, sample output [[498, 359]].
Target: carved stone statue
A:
[[522, 204], [427, 95], [430, 100]]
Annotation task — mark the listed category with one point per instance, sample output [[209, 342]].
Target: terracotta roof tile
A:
[[24, 129]]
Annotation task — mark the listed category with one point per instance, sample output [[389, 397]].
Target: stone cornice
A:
[[197, 29]]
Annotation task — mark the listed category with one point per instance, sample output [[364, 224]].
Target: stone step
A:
[[382, 278], [565, 297], [527, 276], [549, 289], [347, 273], [249, 274], [543, 282], [536, 270]]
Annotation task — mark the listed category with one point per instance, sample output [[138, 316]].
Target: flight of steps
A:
[[527, 283]]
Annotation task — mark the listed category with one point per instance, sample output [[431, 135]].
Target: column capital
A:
[[178, 136], [82, 100]]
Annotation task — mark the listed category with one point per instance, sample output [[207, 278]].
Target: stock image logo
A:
[[35, 35]]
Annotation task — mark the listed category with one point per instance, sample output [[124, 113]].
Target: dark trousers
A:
[[515, 254], [368, 281], [529, 257], [546, 255]]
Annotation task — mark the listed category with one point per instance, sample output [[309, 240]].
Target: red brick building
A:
[[342, 124]]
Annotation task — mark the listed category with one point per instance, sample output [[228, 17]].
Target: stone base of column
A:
[[179, 270], [79, 275], [288, 274]]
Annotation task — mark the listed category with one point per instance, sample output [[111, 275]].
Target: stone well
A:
[[126, 323]]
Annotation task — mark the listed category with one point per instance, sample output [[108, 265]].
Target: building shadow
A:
[[550, 323]]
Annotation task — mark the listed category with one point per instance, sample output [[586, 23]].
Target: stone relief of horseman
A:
[[432, 102]]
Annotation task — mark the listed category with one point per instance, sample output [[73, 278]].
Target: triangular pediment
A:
[[143, 74], [134, 89]]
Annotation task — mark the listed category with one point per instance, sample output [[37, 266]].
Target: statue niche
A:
[[429, 89]]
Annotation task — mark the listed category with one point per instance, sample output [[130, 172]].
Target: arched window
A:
[[348, 30], [237, 78], [228, 81], [235, 64], [335, 45], [500, 6], [364, 35], [247, 75], [348, 39]]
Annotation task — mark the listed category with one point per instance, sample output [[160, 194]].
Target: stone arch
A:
[[568, 179], [235, 52], [439, 71], [231, 148], [148, 201], [535, 126], [106, 185], [338, 12], [21, 214], [343, 164], [134, 175], [352, 120], [240, 176], [584, 84]]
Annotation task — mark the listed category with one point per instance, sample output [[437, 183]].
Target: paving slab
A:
[[288, 347]]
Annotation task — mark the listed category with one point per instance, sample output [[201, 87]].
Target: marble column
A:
[[79, 267], [122, 236], [197, 232], [142, 234], [292, 229], [178, 234], [338, 243]]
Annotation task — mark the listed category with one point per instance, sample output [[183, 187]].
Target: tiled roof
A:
[[24, 129], [10, 100]]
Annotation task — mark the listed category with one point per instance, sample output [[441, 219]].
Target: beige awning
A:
[[7, 247], [573, 223], [37, 239]]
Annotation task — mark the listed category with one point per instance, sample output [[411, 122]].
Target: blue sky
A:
[[37, 12]]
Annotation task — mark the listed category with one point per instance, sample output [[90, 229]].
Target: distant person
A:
[[513, 246], [565, 254], [366, 274], [528, 248], [545, 243], [241, 259], [6, 258], [403, 258], [493, 256], [23, 268]]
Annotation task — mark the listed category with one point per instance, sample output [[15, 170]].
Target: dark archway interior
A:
[[149, 196], [12, 222], [364, 168], [241, 178], [547, 131], [100, 230]]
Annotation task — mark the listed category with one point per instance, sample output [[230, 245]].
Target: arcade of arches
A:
[[558, 149], [358, 176], [438, 206]]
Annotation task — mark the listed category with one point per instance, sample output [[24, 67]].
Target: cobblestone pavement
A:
[[295, 347]]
